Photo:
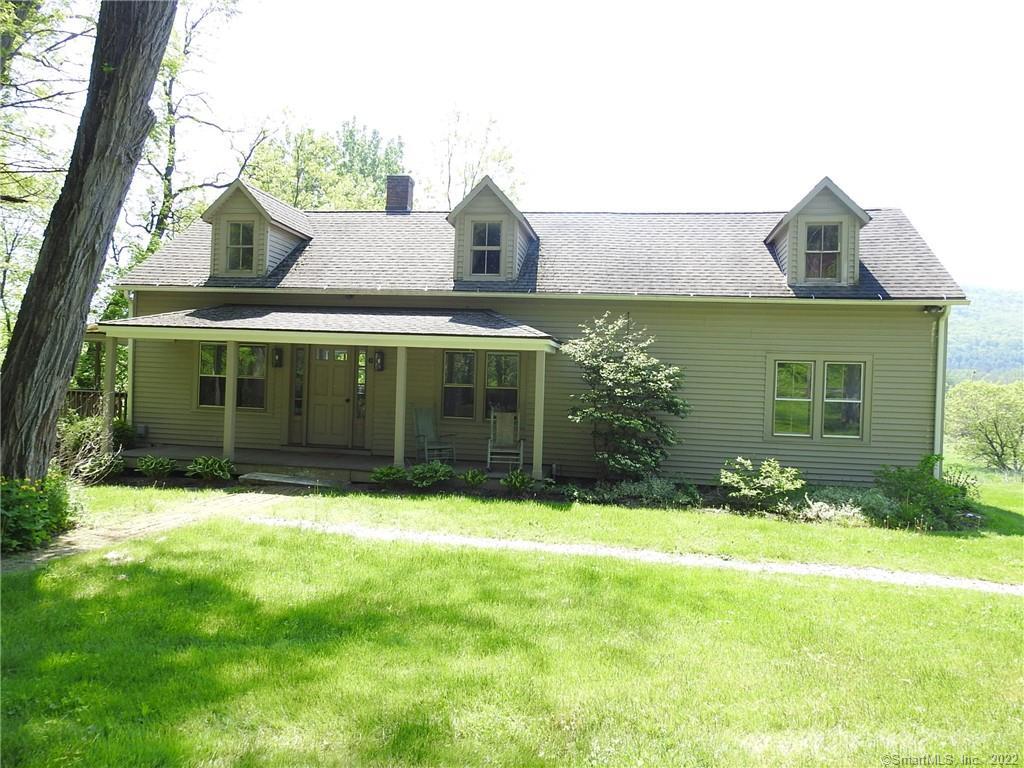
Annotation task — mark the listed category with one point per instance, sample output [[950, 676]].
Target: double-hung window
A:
[[502, 382], [794, 382], [821, 255], [459, 385], [241, 248], [485, 252], [252, 375], [843, 400]]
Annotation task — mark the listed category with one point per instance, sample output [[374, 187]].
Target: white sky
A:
[[660, 106]]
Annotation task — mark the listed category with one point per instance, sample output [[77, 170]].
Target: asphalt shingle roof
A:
[[420, 322], [281, 212], [682, 254]]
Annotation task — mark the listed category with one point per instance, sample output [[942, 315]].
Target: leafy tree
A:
[[42, 49], [987, 420], [466, 154], [130, 43], [629, 391], [344, 170], [40, 77]]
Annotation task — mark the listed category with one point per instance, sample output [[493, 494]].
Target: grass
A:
[[995, 552], [112, 505], [231, 644]]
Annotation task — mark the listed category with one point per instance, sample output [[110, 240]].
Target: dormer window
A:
[[485, 252], [822, 252], [241, 246]]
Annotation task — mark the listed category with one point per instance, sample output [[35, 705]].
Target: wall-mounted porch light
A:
[[277, 357], [378, 360]]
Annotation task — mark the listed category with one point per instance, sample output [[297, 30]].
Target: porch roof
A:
[[458, 328]]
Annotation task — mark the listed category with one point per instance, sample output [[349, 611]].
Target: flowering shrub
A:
[[768, 488], [34, 511]]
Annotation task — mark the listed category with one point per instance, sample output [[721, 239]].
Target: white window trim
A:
[[503, 250], [776, 398], [838, 253], [519, 373], [825, 399], [472, 387], [199, 375], [228, 247], [804, 221]]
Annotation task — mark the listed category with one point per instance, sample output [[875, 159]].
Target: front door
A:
[[330, 396]]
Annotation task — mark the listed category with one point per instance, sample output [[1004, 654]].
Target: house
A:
[[815, 335]]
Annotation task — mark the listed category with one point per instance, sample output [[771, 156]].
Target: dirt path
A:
[[86, 538], [857, 573]]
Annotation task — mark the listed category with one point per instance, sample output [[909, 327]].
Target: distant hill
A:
[[986, 339]]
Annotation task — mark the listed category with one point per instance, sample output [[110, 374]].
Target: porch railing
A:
[[89, 402]]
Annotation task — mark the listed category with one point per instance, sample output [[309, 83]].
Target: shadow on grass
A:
[[171, 659]]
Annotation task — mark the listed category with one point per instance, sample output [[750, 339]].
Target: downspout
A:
[[129, 386], [940, 383]]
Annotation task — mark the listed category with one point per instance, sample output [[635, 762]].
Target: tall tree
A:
[[41, 47], [468, 152], [344, 170], [130, 43], [167, 195], [174, 197]]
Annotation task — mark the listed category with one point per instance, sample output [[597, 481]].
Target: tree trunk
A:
[[130, 42]]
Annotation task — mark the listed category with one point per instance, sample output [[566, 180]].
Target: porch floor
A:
[[309, 462]]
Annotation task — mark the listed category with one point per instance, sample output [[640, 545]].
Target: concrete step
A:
[[272, 478]]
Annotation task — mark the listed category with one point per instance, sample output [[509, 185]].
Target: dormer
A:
[[252, 232], [492, 237], [818, 242]]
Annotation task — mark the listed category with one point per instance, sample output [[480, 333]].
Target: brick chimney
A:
[[399, 194]]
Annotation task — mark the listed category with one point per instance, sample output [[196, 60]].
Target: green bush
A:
[[123, 434], [846, 505], [80, 452], [34, 511], [658, 492], [473, 478], [430, 474], [769, 488], [629, 391], [156, 467], [517, 482], [210, 468], [389, 476], [77, 434], [924, 501]]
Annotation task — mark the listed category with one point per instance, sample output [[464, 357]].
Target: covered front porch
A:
[[331, 388], [304, 462]]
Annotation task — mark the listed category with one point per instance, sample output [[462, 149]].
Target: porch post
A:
[[109, 371], [538, 415], [401, 362], [230, 399]]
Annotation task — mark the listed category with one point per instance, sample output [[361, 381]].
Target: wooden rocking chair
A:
[[504, 445], [429, 444]]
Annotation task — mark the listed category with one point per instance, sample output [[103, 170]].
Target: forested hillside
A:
[[986, 339]]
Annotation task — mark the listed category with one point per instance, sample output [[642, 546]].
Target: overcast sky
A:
[[663, 106]]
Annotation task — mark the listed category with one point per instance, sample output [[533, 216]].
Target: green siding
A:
[[724, 348]]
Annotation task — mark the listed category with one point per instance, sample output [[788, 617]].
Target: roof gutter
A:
[[171, 333], [749, 299]]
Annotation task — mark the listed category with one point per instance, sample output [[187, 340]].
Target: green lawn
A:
[[229, 644], [996, 552], [112, 505]]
